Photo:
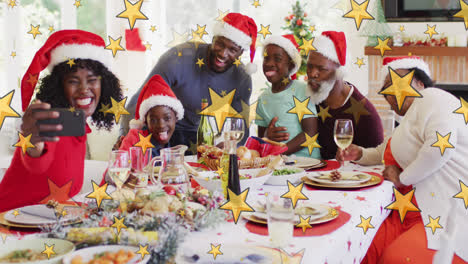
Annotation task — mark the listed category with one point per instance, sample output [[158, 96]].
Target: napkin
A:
[[40, 210], [265, 147]]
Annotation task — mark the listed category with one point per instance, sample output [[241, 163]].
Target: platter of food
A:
[[341, 180], [106, 254], [249, 178], [283, 174], [30, 251]]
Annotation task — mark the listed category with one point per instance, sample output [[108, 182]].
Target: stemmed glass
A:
[[343, 133], [119, 167], [234, 129]]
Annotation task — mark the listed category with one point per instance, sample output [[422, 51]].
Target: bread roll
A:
[[243, 153], [254, 153]]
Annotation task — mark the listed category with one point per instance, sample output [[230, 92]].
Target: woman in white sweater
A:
[[417, 157]]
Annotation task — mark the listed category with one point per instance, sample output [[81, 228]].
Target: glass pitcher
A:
[[172, 170]]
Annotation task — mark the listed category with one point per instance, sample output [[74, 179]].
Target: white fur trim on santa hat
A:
[[232, 33], [289, 48], [407, 63], [136, 124], [326, 47], [79, 51], [250, 68], [156, 100]]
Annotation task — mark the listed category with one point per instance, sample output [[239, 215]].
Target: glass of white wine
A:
[[234, 129], [119, 167], [343, 133]]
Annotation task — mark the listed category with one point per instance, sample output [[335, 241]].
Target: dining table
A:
[[346, 239]]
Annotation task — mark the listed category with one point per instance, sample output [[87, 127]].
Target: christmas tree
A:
[[376, 28], [299, 25]]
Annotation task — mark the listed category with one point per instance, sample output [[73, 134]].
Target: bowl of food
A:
[[31, 251], [284, 174], [106, 254], [249, 178]]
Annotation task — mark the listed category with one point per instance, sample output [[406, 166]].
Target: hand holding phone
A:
[[72, 122]]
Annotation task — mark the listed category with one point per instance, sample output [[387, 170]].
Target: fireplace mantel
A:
[[419, 51]]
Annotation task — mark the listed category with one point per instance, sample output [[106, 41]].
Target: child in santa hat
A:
[[277, 104], [79, 79], [157, 112]]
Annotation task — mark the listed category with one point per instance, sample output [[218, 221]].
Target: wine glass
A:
[[343, 133], [234, 129], [119, 167], [139, 165]]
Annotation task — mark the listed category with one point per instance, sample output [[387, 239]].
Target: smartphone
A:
[[73, 123]]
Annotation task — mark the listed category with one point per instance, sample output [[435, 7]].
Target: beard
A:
[[322, 92]]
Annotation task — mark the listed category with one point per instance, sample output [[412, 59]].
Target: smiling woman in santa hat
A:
[[79, 78], [413, 160]]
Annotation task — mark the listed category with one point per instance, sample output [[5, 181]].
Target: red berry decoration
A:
[[299, 22], [170, 190]]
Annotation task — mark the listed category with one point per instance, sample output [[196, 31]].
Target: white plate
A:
[[283, 179], [207, 180], [73, 213], [61, 249], [87, 254], [191, 253], [303, 162], [322, 210], [314, 177]]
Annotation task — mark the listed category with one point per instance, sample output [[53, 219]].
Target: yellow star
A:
[[359, 12], [434, 224], [442, 142], [237, 62], [357, 109], [312, 29], [285, 81], [332, 211], [179, 54], [193, 147], [132, 12], [143, 251], [71, 62], [295, 258], [265, 53], [177, 39], [13, 54], [256, 3], [300, 108], [304, 224], [114, 45], [34, 31], [463, 13], [119, 224], [365, 224], [307, 46], [148, 46], [72, 109], [201, 31], [463, 194], [16, 213], [64, 213], [223, 93], [196, 39], [221, 15], [104, 108], [431, 31], [24, 142], [360, 62], [403, 203], [220, 171], [200, 62], [181, 212], [4, 237], [220, 108], [215, 251], [99, 193], [144, 143], [77, 3], [432, 194], [382, 46], [463, 109], [264, 31], [118, 109], [49, 250], [295, 193], [5, 109], [153, 28], [311, 142], [249, 113], [237, 204], [323, 113], [32, 79], [402, 28], [401, 87], [12, 3]]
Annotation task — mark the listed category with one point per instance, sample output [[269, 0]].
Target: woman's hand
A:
[[30, 126], [351, 153], [392, 173], [274, 133]]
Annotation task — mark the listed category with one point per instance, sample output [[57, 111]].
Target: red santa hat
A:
[[289, 44], [59, 47], [242, 30], [332, 44], [405, 62], [155, 92]]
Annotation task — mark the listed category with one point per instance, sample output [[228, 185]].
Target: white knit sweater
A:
[[436, 177]]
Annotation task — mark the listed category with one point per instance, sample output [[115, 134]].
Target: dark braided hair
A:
[[51, 89]]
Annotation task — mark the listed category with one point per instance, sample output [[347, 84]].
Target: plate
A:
[[207, 180], [282, 179], [304, 162], [375, 180], [87, 254], [363, 177], [27, 219], [191, 253], [62, 248], [322, 164]]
